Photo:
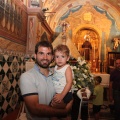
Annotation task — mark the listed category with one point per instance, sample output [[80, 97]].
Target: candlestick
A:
[[100, 51]]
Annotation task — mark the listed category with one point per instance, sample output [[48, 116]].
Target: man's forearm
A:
[[48, 111]]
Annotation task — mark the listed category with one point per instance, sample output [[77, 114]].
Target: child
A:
[[62, 77], [97, 97]]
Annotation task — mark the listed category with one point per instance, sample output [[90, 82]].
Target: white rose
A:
[[85, 76], [74, 82], [74, 67], [85, 70]]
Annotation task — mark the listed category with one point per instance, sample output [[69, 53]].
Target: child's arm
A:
[[69, 80]]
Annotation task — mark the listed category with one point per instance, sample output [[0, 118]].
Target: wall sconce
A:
[[45, 9]]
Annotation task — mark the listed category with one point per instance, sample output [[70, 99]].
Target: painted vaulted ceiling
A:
[[58, 10], [98, 18]]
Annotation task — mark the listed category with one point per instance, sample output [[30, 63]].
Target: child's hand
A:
[[60, 105], [58, 98]]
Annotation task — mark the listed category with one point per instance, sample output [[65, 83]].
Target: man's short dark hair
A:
[[43, 44]]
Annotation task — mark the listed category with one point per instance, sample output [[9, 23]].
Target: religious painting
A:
[[87, 47]]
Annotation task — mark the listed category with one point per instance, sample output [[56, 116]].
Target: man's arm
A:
[[42, 110]]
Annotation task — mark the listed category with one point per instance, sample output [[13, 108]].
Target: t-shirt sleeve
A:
[[27, 84]]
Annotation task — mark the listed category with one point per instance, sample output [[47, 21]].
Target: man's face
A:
[[44, 57], [118, 63]]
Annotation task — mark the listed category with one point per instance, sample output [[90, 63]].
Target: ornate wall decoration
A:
[[13, 17], [88, 15]]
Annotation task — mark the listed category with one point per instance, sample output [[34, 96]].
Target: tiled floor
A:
[[105, 113]]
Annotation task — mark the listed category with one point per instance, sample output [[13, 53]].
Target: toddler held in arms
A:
[[62, 77]]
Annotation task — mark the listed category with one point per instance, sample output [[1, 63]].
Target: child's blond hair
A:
[[62, 48]]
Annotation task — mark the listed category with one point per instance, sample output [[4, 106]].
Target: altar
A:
[[105, 78]]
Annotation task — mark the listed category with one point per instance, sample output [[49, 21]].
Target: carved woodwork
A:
[[13, 21]]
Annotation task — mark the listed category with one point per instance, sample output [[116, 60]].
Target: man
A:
[[114, 89], [37, 88]]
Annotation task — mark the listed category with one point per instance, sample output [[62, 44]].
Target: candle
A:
[[104, 51], [100, 51]]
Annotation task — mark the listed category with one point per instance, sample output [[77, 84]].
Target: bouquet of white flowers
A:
[[82, 75]]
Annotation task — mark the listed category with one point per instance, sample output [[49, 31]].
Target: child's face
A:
[[61, 58]]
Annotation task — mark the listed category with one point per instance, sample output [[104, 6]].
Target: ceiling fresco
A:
[[58, 8], [97, 18]]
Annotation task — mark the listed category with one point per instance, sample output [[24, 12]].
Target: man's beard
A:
[[42, 64]]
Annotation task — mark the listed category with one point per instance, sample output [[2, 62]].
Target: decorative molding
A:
[[7, 45]]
